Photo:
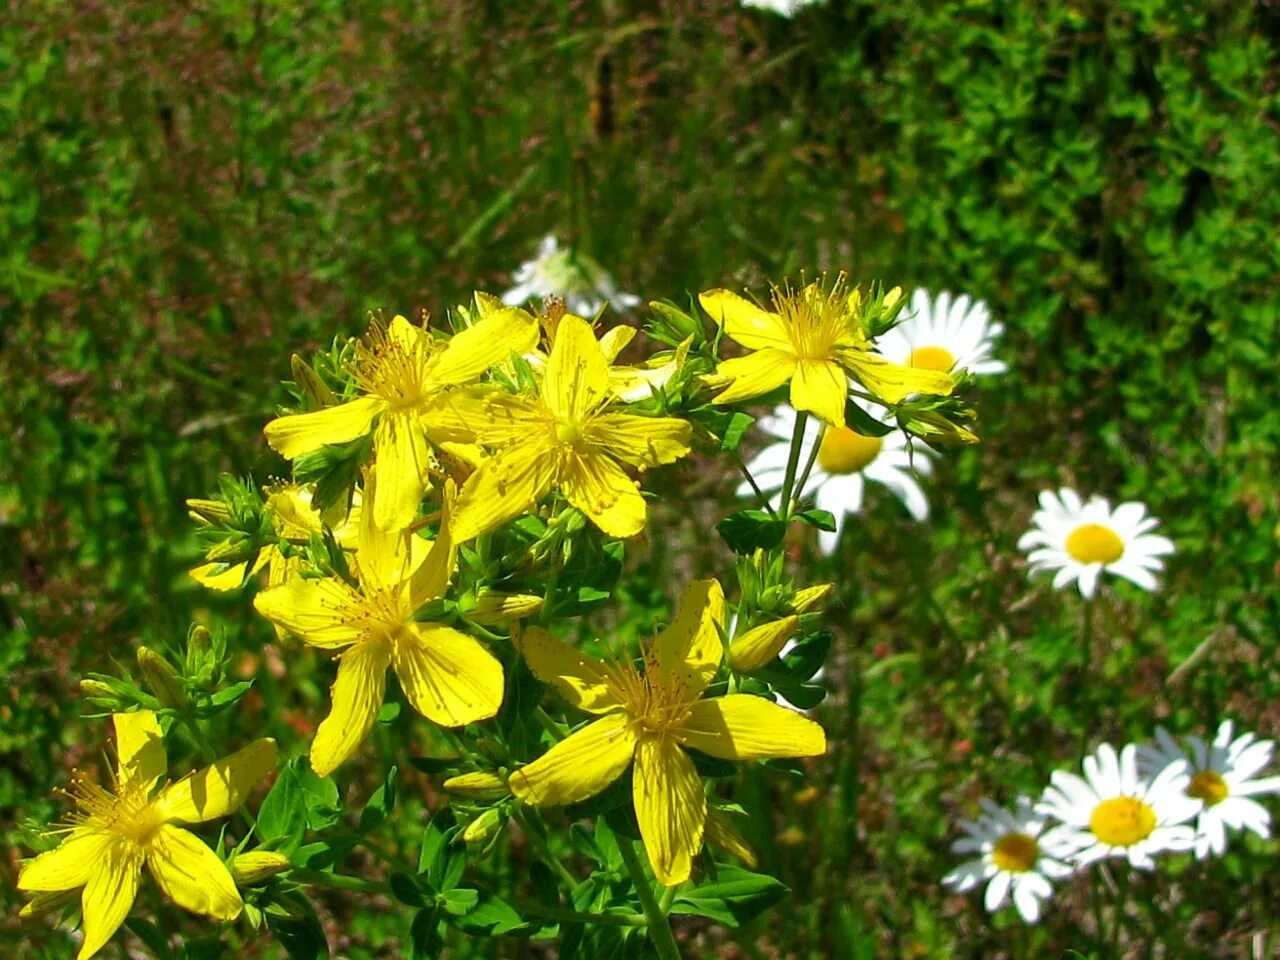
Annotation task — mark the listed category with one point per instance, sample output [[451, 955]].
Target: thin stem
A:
[[1118, 917], [659, 929], [793, 460], [336, 881], [533, 834], [813, 458], [576, 916], [764, 500], [668, 898]]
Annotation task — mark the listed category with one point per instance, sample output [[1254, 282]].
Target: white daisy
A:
[[1081, 540], [943, 334], [585, 285], [1113, 812], [846, 460], [787, 8], [1222, 782], [1010, 858]]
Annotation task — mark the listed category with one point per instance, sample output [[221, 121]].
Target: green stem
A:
[[659, 929], [793, 461], [576, 916], [534, 835], [813, 458], [336, 881], [764, 500], [668, 898], [1118, 917]]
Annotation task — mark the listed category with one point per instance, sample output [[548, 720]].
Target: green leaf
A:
[[822, 519], [460, 900], [408, 889], [491, 916], [859, 421], [282, 818], [425, 942], [737, 427], [749, 530], [434, 861], [734, 897], [380, 804], [296, 926]]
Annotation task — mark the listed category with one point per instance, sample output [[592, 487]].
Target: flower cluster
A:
[[1146, 800]]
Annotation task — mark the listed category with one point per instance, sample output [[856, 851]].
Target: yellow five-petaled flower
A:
[[448, 677], [813, 338], [649, 716], [566, 438], [408, 380], [116, 831]]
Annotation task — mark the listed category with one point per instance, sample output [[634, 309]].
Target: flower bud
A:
[[753, 649], [162, 679], [199, 648], [484, 827], [236, 549], [495, 609], [315, 390], [477, 786], [812, 597], [256, 866], [722, 833], [208, 511]]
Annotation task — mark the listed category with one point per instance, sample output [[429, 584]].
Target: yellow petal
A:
[[576, 379], [219, 788], [893, 382], [602, 490], [744, 727], [192, 875], [410, 337], [431, 576], [487, 342], [690, 648], [219, 576], [671, 807], [402, 464], [108, 894], [357, 697], [754, 374], [448, 677], [820, 388], [643, 442], [139, 747], [581, 680], [504, 487], [301, 433], [723, 833], [325, 613], [579, 766], [67, 865], [614, 341], [753, 649], [633, 384], [385, 556], [281, 569], [750, 325]]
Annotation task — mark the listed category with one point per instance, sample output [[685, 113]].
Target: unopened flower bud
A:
[[477, 786], [98, 689], [199, 647], [811, 598], [315, 390], [753, 649], [494, 609], [237, 549], [208, 511], [256, 866], [162, 679], [484, 827]]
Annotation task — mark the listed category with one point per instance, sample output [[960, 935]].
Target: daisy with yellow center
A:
[[566, 438], [1224, 781], [138, 821], [407, 379], [584, 285], [948, 334], [1079, 541], [1009, 859], [814, 339], [648, 716], [846, 462], [447, 676], [1114, 812]]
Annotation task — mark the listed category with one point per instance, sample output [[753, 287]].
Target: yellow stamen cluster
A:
[[392, 369]]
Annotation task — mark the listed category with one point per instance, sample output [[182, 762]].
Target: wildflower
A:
[[649, 716], [446, 676], [584, 285], [1082, 540], [629, 384], [137, 822], [1009, 858], [815, 339], [1223, 779], [406, 378], [846, 461], [565, 438], [944, 334], [1113, 812]]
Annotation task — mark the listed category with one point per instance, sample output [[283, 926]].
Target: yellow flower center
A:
[[655, 699], [129, 813], [816, 318], [1015, 853], [845, 451], [1094, 543], [1209, 787], [568, 432], [932, 358], [393, 370], [1122, 821]]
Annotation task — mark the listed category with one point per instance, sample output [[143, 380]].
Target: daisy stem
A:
[[664, 942], [813, 458], [1121, 909], [793, 461]]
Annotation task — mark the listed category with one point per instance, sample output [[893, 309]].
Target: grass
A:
[[191, 194]]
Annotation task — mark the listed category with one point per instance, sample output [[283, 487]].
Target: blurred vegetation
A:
[[192, 192]]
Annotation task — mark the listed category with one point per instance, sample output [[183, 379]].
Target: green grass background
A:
[[190, 192]]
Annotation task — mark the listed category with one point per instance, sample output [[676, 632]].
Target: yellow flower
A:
[[630, 384], [565, 438], [815, 340], [406, 377], [447, 676], [115, 833], [650, 717]]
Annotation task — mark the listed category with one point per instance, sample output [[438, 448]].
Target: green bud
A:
[[104, 693], [256, 866], [477, 786], [484, 827], [162, 678], [236, 549], [199, 648], [314, 390], [208, 511]]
